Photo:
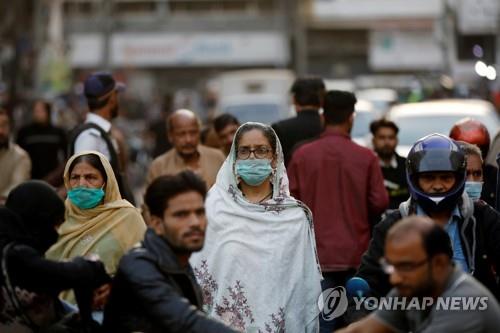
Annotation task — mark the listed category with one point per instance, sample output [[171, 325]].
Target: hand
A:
[[101, 296]]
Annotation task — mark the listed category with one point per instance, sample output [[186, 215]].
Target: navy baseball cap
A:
[[100, 84]]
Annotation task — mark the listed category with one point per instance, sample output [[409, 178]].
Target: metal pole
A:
[[39, 29], [300, 37], [107, 22]]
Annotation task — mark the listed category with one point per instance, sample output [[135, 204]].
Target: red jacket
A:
[[342, 184]]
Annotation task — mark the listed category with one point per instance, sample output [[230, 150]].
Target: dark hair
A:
[[380, 123], [267, 131], [224, 120], [435, 239], [308, 90], [470, 149], [5, 113], [338, 106], [91, 159], [47, 106], [164, 188], [204, 135]]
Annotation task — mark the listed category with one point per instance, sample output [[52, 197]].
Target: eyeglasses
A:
[[403, 267], [243, 153]]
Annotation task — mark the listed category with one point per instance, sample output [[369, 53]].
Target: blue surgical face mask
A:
[[254, 171], [86, 198], [474, 189]]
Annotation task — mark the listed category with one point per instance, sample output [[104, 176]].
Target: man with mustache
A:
[[183, 128], [418, 261], [155, 289], [385, 140]]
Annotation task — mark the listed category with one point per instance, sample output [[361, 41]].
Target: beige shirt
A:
[[15, 168], [170, 163]]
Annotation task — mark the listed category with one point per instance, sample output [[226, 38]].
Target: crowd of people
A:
[[249, 234]]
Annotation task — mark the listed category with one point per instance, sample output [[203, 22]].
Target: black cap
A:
[[100, 84]]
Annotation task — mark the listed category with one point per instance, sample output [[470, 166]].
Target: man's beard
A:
[[188, 155], [114, 112], [385, 153], [425, 289]]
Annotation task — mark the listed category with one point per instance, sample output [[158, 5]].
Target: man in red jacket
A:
[[342, 184]]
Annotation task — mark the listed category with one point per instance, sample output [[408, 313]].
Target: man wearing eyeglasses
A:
[[418, 260], [436, 174]]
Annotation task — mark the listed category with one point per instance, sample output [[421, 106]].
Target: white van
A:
[[261, 95]]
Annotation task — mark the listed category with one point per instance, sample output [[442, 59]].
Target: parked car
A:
[[364, 115], [265, 109], [416, 120], [381, 98]]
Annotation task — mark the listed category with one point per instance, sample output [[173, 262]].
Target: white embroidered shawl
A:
[[258, 269]]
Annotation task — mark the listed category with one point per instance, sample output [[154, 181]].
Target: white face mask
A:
[[474, 189]]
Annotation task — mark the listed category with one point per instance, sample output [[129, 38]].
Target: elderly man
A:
[[187, 153]]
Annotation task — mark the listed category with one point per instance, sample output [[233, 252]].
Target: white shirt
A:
[[392, 164], [91, 139]]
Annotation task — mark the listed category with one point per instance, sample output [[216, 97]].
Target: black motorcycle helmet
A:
[[435, 153]]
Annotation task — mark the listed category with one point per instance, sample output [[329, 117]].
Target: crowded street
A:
[[255, 166]]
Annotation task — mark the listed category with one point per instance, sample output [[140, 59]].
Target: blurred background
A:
[[240, 56]]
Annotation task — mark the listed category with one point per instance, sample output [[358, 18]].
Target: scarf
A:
[[108, 230], [258, 269]]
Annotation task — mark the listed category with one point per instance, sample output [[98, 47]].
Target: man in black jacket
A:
[[307, 95], [154, 289], [385, 140], [45, 143], [436, 176]]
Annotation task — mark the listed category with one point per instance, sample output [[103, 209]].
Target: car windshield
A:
[[361, 126], [263, 113], [413, 128]]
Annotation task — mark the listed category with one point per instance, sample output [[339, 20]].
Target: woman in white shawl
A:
[[258, 269]]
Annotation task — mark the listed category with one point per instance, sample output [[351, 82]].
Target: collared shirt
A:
[[91, 139], [451, 228], [171, 163], [341, 182], [393, 163]]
